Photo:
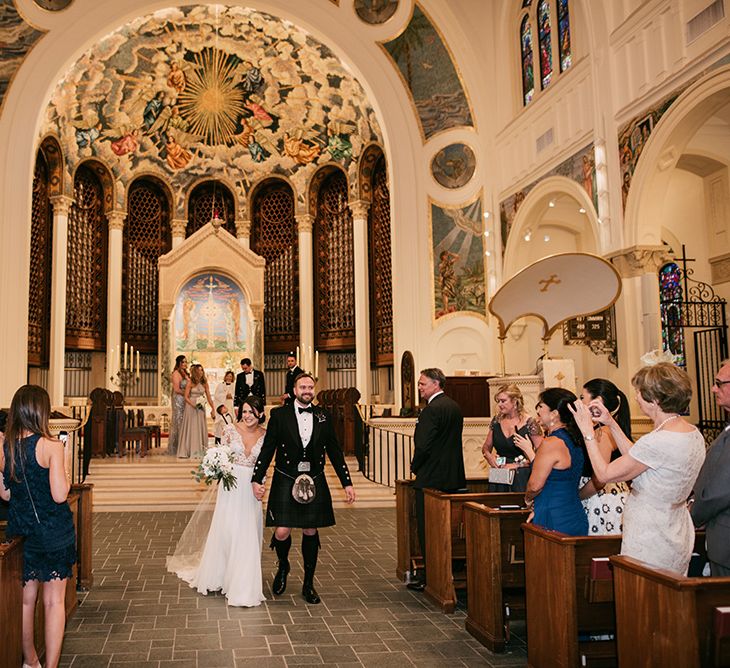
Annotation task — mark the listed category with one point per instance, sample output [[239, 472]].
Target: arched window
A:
[[274, 237], [147, 235], [208, 200], [671, 297], [549, 50]]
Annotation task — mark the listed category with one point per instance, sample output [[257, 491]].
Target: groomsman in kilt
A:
[[300, 435]]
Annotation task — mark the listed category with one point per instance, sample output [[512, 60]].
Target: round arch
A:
[[105, 176], [315, 183], [368, 160], [52, 152], [221, 181], [159, 180], [265, 181]]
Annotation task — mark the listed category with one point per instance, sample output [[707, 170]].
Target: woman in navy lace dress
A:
[[35, 483]]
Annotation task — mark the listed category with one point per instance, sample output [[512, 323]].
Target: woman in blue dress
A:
[[557, 468]]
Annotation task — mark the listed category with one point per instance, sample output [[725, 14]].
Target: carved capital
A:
[[116, 219], [305, 221], [178, 226], [257, 310], [639, 260], [61, 204], [359, 208], [243, 228], [720, 268]]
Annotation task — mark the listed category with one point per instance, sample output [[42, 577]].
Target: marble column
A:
[[362, 298], [306, 288], [57, 339], [243, 232], [114, 291], [178, 226]]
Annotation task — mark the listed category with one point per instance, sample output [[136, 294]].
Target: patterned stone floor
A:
[[139, 615]]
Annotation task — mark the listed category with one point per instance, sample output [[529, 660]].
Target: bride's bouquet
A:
[[217, 466]]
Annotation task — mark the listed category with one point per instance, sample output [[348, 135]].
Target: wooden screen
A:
[[274, 237], [334, 284], [147, 235], [86, 264], [39, 292], [207, 198], [381, 282]]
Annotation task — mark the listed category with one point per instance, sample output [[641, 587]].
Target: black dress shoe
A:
[[417, 585], [279, 584], [310, 594]]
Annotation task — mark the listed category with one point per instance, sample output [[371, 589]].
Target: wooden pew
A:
[[495, 576], [409, 556], [566, 603], [665, 619], [446, 563], [11, 600]]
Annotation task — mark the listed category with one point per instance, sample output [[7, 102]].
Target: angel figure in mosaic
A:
[[300, 151]]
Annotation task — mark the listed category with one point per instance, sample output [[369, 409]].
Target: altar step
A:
[[158, 482]]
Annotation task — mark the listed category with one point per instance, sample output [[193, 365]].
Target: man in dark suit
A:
[[292, 371], [711, 506], [300, 434], [249, 381], [438, 460]]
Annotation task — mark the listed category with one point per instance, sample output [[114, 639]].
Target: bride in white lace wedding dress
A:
[[220, 549]]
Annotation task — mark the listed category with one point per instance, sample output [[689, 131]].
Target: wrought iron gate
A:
[[710, 350]]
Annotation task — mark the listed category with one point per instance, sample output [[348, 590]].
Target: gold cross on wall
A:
[[547, 282]]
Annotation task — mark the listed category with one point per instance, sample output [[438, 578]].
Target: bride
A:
[[220, 549]]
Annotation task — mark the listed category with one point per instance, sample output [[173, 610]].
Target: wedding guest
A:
[[292, 371], [223, 552], [557, 467], [180, 379], [662, 464], [513, 435], [193, 437], [604, 503], [249, 381], [223, 396], [36, 484]]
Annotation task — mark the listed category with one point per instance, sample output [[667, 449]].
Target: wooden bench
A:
[[446, 558], [409, 556], [665, 619], [569, 599], [496, 588]]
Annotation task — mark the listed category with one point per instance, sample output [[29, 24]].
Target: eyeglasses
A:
[[720, 383]]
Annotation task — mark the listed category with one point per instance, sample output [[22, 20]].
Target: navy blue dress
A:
[[56, 528], [558, 505]]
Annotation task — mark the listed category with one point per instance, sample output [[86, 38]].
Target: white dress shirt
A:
[[305, 422]]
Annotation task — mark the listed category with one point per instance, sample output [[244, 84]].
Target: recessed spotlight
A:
[[546, 238], [551, 203], [581, 210], [528, 236], [488, 253], [486, 214], [486, 233]]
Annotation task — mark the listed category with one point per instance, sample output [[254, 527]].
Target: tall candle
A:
[[138, 364], [124, 366], [316, 362], [110, 370], [297, 355], [131, 358]]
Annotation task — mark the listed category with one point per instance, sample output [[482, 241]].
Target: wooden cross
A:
[[547, 282]]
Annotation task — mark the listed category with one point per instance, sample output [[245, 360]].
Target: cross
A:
[[210, 309], [547, 282]]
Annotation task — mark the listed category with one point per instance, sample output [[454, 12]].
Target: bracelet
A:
[[590, 437]]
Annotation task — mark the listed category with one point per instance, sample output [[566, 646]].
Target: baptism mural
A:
[[17, 38], [458, 259], [192, 90]]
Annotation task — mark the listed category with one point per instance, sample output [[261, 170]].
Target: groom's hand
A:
[[350, 494], [258, 490]]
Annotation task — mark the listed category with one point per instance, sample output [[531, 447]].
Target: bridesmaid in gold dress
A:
[[193, 435]]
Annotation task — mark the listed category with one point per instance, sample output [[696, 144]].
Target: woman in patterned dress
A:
[[180, 379]]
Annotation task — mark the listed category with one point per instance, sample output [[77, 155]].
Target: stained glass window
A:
[[564, 35], [526, 3], [671, 297], [528, 71], [543, 33]]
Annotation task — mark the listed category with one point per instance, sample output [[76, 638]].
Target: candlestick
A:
[[138, 364], [124, 366]]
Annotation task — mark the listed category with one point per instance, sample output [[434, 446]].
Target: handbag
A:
[[501, 476]]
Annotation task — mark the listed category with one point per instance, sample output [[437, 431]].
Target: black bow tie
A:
[[308, 409]]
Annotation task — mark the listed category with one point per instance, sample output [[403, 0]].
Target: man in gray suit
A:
[[711, 505]]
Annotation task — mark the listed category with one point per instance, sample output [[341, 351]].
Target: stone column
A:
[[178, 226], [362, 297], [243, 232], [57, 339], [306, 286], [114, 291], [256, 345]]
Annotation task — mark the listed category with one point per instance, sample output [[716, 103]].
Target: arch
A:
[[52, 152], [662, 152], [218, 179], [368, 160], [263, 182], [315, 184], [218, 189], [159, 179], [536, 201], [104, 174]]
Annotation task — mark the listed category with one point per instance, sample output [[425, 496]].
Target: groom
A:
[[300, 434]]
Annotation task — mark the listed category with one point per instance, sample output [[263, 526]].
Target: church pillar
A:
[[114, 292], [57, 339], [243, 232], [306, 288], [178, 226], [362, 297], [256, 348]]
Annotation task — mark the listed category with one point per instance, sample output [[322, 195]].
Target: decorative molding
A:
[[178, 227], [359, 208], [720, 268], [61, 204], [116, 219], [243, 228], [305, 222], [638, 260]]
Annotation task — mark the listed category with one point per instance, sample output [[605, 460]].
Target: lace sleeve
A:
[[228, 435]]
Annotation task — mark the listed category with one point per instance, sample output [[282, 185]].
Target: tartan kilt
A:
[[283, 511]]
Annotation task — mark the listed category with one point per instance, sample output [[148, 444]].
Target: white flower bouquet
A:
[[217, 466], [200, 403]]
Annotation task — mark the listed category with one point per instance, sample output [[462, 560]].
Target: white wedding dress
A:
[[220, 549]]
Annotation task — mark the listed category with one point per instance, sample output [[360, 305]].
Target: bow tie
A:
[[308, 409]]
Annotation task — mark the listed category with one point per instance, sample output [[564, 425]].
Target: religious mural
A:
[[579, 167], [429, 73], [53, 5], [193, 90], [17, 38], [458, 259], [375, 11], [453, 166]]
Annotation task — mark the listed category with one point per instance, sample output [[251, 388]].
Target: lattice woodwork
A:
[[147, 235], [334, 285], [86, 265], [201, 207], [39, 292], [380, 272], [274, 237]]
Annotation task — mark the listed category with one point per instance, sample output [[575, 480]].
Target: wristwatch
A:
[[590, 437]]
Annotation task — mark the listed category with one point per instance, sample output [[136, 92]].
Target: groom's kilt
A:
[[283, 511]]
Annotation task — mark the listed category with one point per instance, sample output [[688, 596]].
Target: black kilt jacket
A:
[[282, 438]]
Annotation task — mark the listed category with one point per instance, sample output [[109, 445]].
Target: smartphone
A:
[[501, 461], [63, 437]]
